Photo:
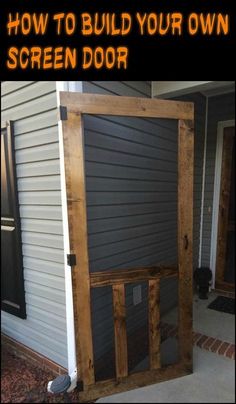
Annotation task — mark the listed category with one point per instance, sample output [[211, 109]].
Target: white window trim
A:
[[216, 195]]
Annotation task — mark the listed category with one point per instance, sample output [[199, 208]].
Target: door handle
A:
[[185, 242]]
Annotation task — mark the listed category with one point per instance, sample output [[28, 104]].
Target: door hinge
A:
[[62, 113], [71, 260]]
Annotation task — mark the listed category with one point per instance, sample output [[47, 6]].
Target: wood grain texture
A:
[[154, 324], [224, 286], [76, 205], [126, 106], [223, 218], [119, 315], [185, 238], [76, 105], [129, 275]]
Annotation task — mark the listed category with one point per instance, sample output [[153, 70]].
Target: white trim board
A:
[[216, 195], [71, 344]]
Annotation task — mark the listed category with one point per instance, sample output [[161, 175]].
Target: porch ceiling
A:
[[166, 89]]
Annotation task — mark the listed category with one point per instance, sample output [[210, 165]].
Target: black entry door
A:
[[12, 283], [230, 249]]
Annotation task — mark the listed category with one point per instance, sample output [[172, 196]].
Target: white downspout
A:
[[203, 186], [70, 328]]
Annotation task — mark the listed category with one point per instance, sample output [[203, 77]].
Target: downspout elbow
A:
[[63, 383]]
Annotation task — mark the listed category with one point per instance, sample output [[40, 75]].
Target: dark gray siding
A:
[[33, 108], [221, 108], [131, 181]]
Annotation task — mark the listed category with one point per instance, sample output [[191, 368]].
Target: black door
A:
[[230, 250], [12, 283]]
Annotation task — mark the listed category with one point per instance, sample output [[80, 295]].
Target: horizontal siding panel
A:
[[148, 209], [140, 86], [41, 212], [121, 259], [44, 266], [47, 318], [31, 123], [47, 329], [50, 254], [45, 304], [43, 291], [42, 239], [35, 335], [105, 171], [42, 226], [40, 198], [118, 88], [127, 232], [95, 198], [47, 167], [49, 182], [113, 157], [25, 339], [125, 88], [164, 255], [99, 140], [36, 138], [154, 129], [39, 153], [48, 280], [120, 247], [134, 129], [89, 87], [28, 93], [109, 224], [122, 185], [33, 107], [8, 87]]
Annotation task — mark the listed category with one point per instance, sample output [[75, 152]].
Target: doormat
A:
[[222, 303]]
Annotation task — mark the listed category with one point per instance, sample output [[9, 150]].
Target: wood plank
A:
[[185, 238], [226, 293], [126, 106], [227, 155], [76, 205], [129, 275], [119, 314], [225, 286], [154, 324], [133, 381]]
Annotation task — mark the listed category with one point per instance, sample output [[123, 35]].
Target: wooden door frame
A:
[[72, 107], [216, 195], [223, 210]]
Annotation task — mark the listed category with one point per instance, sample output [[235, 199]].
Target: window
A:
[[12, 283]]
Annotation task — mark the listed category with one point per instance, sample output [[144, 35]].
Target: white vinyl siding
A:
[[32, 106]]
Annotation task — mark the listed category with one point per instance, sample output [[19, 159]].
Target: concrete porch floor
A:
[[209, 322], [213, 378]]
